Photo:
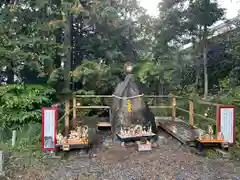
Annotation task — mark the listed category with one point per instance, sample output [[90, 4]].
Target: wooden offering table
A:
[[73, 144], [126, 139], [206, 143]]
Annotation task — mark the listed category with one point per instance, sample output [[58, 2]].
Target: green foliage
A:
[[204, 12], [23, 39], [21, 105], [97, 77]]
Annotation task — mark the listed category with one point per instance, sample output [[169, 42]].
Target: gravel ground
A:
[[167, 162]]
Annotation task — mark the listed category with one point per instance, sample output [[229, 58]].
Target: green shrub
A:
[[21, 110]]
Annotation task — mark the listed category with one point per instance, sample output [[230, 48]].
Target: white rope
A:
[[130, 97]]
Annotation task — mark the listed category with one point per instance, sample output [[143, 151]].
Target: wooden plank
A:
[[191, 112], [211, 141], [93, 96], [146, 135], [135, 138], [68, 147], [160, 107], [209, 103], [186, 136], [104, 124], [181, 109], [174, 107], [93, 107], [165, 119], [171, 133], [73, 141], [180, 130]]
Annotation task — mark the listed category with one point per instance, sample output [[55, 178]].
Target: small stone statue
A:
[[121, 131], [138, 129], [59, 138], [132, 132], [80, 131], [210, 131], [85, 132], [150, 130], [199, 135], [220, 136], [125, 131]]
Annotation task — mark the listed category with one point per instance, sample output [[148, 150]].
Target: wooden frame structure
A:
[[74, 105]]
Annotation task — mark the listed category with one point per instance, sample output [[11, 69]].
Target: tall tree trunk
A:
[[67, 62], [205, 51], [10, 74], [195, 57], [58, 35], [205, 72], [57, 61], [197, 73]]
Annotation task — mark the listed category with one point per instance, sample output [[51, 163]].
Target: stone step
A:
[[223, 153]]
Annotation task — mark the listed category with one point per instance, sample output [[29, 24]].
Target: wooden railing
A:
[[175, 106]]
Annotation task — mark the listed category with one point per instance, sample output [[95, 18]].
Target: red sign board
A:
[[226, 123], [49, 128]]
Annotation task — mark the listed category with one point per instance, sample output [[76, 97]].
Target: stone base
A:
[[154, 145], [2, 174], [223, 153], [54, 157], [161, 140]]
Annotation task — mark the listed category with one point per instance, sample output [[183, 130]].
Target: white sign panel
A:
[[227, 123], [49, 128]]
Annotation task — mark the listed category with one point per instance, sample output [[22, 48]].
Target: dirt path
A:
[[167, 162]]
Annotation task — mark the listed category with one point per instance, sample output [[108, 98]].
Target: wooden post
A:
[[66, 127], [191, 113], [174, 103], [217, 120], [74, 112]]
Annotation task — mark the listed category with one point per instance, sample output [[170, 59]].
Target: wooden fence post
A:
[[191, 113], [66, 127], [174, 107], [217, 120], [74, 111]]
